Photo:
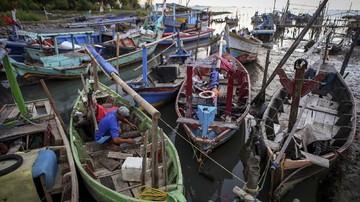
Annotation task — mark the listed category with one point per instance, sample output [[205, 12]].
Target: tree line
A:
[[80, 5]]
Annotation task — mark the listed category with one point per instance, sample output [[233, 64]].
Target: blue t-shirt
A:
[[109, 125]]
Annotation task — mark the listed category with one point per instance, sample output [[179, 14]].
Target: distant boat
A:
[[317, 135], [116, 176], [232, 22], [73, 64], [244, 48], [36, 160], [180, 17], [213, 100], [263, 26], [218, 20], [190, 35], [163, 80]]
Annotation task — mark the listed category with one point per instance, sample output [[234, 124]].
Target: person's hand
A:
[[133, 126], [131, 141]]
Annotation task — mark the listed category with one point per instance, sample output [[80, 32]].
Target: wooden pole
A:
[[292, 48], [267, 62], [163, 156], [52, 103], [348, 54], [197, 43], [90, 104], [117, 56], [144, 164]]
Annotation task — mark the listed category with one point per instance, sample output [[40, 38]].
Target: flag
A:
[[9, 20]]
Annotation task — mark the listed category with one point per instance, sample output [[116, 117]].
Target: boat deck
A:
[[107, 168]]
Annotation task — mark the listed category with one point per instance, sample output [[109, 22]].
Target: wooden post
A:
[[154, 154], [163, 156], [199, 29], [348, 54], [117, 57], [144, 162], [267, 62], [326, 48], [292, 48], [52, 103], [297, 90]]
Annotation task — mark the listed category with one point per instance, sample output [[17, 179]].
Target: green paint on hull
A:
[[100, 192]]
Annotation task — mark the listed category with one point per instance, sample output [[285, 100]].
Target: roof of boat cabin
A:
[[55, 32]]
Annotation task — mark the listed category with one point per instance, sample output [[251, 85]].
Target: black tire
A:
[[19, 161]]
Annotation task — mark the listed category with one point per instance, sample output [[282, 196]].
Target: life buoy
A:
[[207, 94]]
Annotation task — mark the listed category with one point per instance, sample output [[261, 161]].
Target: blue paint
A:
[[106, 66], [206, 115], [46, 163]]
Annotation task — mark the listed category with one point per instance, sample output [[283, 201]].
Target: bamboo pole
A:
[[348, 54], [291, 49], [52, 103], [117, 56]]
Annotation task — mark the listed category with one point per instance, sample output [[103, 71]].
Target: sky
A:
[[333, 4]]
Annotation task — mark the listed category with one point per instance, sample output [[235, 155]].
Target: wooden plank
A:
[[105, 173], [120, 185], [14, 113], [47, 107], [110, 164], [94, 146], [318, 160], [219, 124], [135, 191], [5, 113], [118, 155], [25, 130], [108, 182]]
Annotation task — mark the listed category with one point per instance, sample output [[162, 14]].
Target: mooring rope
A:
[[204, 153]]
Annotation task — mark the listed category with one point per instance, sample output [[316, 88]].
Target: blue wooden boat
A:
[[162, 82], [213, 100], [180, 17], [36, 163], [263, 26]]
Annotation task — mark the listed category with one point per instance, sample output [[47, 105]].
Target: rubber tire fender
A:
[[16, 165]]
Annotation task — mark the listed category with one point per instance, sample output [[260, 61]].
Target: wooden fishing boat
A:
[[263, 26], [213, 100], [244, 48], [121, 176], [33, 136], [302, 144], [232, 22], [189, 35], [162, 82], [73, 64]]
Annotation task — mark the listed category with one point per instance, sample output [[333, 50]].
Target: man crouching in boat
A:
[[109, 128]]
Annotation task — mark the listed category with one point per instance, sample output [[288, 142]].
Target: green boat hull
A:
[[100, 192]]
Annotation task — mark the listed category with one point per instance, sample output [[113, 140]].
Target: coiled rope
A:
[[152, 194]]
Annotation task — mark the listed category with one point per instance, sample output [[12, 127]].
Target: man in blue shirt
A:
[[109, 128]]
